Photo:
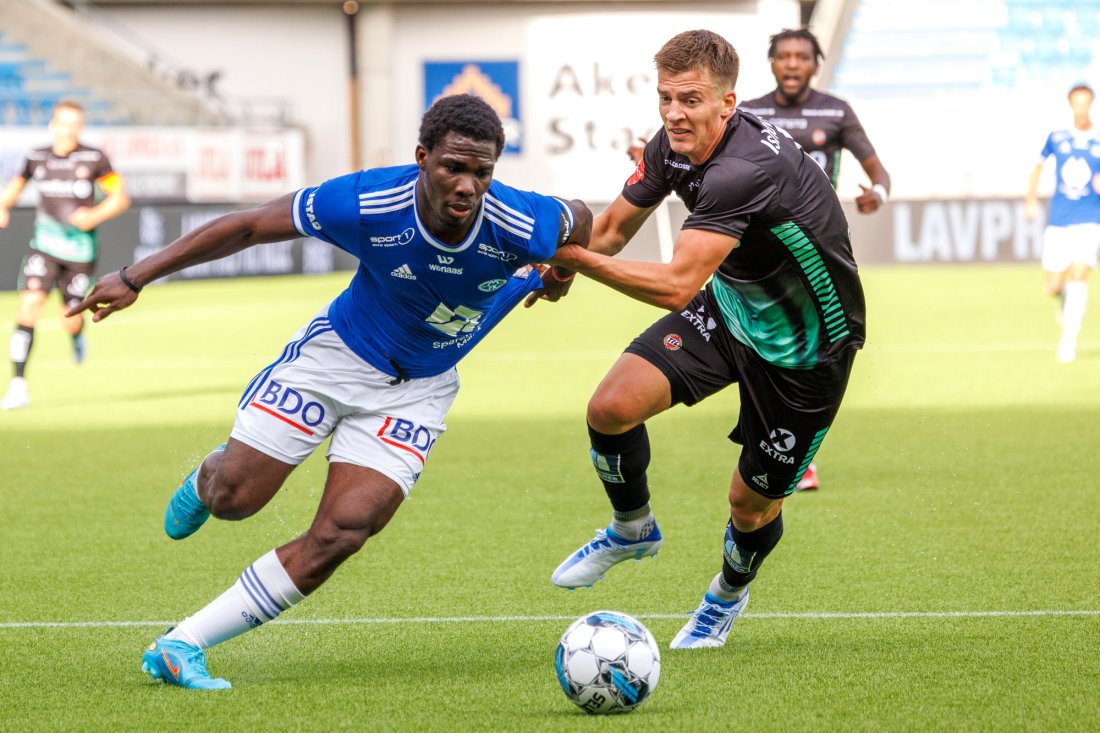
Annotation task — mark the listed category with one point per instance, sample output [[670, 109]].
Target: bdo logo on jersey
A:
[[406, 435], [288, 404]]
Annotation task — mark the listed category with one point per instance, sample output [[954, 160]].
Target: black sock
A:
[[621, 462], [745, 551]]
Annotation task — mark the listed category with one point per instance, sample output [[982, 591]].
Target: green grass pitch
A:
[[944, 578]]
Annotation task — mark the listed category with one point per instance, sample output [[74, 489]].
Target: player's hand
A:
[[5, 218], [83, 219], [554, 288], [1031, 208], [868, 202], [110, 294]]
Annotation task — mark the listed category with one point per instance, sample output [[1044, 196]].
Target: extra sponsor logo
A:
[[490, 285], [288, 404], [673, 342], [406, 436], [702, 322], [490, 251], [393, 240], [782, 442]]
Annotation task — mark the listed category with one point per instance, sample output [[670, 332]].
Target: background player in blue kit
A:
[[1072, 236], [781, 315], [443, 250]]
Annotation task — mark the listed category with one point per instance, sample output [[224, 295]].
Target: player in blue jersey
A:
[[443, 251], [763, 292], [1072, 236]]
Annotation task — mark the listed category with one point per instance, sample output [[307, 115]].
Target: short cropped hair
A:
[[68, 104], [1081, 87], [800, 33], [700, 49], [463, 114]]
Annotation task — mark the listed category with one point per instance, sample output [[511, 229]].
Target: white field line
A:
[[520, 619]]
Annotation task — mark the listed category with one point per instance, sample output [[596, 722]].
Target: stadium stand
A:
[[47, 55], [959, 96]]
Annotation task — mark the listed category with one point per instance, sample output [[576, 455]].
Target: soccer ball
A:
[[607, 662]]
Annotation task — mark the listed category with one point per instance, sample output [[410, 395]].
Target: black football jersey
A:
[[823, 125], [791, 288]]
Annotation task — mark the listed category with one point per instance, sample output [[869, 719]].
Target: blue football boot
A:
[[179, 663], [186, 512]]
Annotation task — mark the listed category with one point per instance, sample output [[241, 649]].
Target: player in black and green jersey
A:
[[781, 315], [78, 190], [821, 123]]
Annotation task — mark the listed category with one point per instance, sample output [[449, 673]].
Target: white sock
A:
[[263, 591], [725, 592], [634, 525], [1073, 312]]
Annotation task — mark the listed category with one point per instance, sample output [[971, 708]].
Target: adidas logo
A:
[[403, 272]]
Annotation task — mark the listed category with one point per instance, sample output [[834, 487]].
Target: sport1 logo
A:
[[416, 439], [454, 322], [287, 403]]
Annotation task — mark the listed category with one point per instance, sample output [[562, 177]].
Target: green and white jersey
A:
[[64, 184], [790, 290]]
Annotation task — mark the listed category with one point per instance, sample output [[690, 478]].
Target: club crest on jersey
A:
[[819, 137], [490, 285], [407, 436], [673, 342], [287, 404]]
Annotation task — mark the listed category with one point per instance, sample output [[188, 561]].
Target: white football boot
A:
[[17, 395], [710, 624], [588, 564]]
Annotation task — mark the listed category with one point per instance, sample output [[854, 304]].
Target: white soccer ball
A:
[[608, 662]]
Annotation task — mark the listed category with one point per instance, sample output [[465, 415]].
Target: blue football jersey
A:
[[417, 305], [1076, 197]]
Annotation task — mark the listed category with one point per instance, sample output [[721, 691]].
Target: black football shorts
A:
[[785, 413], [44, 272]]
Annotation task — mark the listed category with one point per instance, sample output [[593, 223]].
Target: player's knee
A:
[[230, 496], [747, 513], [609, 412]]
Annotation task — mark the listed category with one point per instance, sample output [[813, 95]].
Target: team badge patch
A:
[[819, 137], [673, 342]]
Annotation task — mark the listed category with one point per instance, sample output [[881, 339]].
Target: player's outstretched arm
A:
[[695, 257], [218, 238]]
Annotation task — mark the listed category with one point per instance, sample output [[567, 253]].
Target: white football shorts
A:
[[319, 387], [1064, 246]]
